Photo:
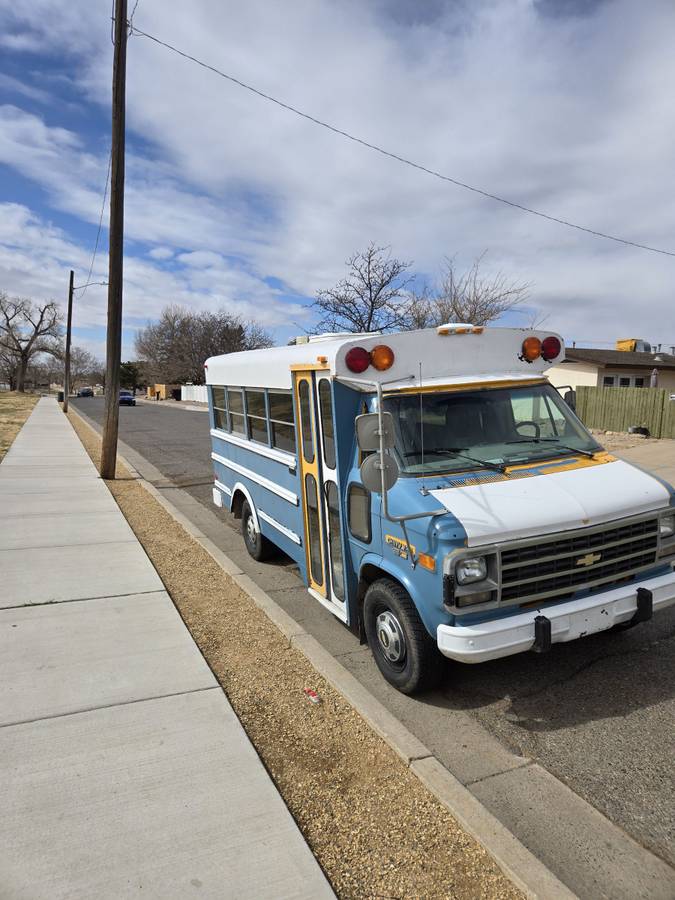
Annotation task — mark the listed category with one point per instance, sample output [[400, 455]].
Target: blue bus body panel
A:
[[436, 536], [250, 471]]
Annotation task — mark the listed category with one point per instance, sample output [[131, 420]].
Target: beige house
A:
[[613, 368]]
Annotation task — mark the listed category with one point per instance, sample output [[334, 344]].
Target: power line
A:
[[401, 159], [98, 233], [131, 17]]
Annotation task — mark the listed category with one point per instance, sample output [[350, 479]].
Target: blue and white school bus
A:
[[438, 494]]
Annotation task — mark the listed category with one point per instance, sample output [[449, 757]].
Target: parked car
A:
[[127, 398], [85, 392]]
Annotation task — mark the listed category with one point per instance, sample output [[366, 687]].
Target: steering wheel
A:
[[537, 429]]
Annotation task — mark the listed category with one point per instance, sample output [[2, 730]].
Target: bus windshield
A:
[[456, 431]]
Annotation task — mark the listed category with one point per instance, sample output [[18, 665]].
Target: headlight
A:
[[470, 569], [666, 527]]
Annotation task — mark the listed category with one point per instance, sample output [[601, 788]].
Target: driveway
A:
[[597, 713]]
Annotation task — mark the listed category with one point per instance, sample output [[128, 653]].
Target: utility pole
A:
[[115, 268], [66, 375]]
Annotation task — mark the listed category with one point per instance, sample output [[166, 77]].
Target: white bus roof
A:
[[461, 354]]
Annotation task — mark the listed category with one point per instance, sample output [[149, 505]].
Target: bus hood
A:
[[547, 503]]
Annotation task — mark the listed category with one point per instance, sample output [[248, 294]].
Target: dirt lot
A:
[[375, 829], [14, 410], [616, 441]]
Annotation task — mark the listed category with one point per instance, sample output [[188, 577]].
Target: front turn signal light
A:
[[531, 349], [427, 561]]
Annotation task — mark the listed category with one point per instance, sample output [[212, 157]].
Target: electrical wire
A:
[[131, 17], [98, 233], [396, 156]]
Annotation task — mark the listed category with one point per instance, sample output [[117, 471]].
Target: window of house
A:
[[256, 416], [219, 401], [282, 420], [624, 381], [358, 512], [639, 382], [235, 405], [608, 381]]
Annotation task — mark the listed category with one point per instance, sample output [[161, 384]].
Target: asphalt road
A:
[[598, 713]]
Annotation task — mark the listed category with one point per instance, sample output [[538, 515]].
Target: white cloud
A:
[[160, 253], [35, 258], [567, 113]]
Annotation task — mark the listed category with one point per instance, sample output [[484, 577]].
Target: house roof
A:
[[621, 358]]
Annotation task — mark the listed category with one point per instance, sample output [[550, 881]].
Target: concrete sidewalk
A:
[[124, 769]]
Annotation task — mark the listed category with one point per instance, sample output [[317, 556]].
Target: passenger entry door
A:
[[317, 453]]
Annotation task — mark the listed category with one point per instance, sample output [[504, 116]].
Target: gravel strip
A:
[[616, 441], [375, 829], [14, 410]]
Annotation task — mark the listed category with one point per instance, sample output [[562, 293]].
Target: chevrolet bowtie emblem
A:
[[589, 559]]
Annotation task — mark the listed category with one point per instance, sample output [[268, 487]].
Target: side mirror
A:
[[570, 399], [368, 431], [372, 468]]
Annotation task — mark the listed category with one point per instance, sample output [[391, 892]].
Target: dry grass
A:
[[375, 829], [14, 410]]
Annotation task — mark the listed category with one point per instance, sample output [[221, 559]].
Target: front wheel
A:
[[404, 652], [257, 545]]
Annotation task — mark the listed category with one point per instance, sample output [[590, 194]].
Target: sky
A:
[[561, 105]]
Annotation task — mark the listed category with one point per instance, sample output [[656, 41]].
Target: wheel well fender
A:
[[374, 567], [240, 493]]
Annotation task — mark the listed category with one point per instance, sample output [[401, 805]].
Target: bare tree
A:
[[468, 296], [373, 296], [27, 329], [84, 367], [174, 349]]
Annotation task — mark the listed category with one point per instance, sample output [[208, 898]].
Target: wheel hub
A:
[[390, 636], [251, 533]]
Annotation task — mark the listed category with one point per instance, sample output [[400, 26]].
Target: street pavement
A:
[[596, 713], [125, 771]]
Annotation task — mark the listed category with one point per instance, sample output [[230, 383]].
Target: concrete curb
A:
[[528, 873]]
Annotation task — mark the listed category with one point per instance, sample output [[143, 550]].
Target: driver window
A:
[[532, 416], [557, 418]]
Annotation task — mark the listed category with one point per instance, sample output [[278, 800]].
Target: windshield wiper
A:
[[455, 451], [589, 453]]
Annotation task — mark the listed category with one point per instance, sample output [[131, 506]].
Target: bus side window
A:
[[235, 405], [219, 408], [358, 512]]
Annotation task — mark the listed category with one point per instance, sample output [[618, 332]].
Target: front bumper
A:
[[568, 621]]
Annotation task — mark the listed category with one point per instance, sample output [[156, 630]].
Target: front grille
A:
[[551, 569]]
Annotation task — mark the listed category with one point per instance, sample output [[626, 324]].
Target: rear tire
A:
[[257, 545], [404, 652]]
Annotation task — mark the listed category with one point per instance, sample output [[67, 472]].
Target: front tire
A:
[[257, 545], [404, 652]]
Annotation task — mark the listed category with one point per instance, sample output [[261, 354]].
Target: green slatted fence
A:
[[616, 408]]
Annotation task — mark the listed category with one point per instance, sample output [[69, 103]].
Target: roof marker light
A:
[[382, 357], [357, 359], [459, 329], [531, 349], [550, 348]]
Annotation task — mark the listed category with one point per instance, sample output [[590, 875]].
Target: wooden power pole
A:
[[115, 268], [66, 374]]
